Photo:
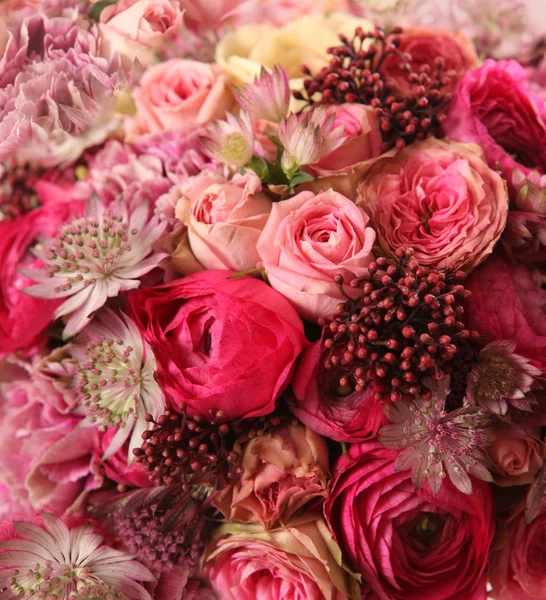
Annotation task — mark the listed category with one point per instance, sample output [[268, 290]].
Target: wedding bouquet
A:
[[272, 299]]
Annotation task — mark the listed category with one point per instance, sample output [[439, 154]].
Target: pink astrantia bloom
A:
[[501, 378], [268, 98], [230, 141], [95, 258], [67, 563], [308, 137], [436, 443], [115, 380]]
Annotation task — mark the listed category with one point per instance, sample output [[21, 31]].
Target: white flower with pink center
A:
[[67, 564], [95, 258], [115, 380]]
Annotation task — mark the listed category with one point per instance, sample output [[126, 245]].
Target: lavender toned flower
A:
[[115, 380], [268, 98], [56, 92], [501, 379], [67, 563], [95, 258], [435, 443]]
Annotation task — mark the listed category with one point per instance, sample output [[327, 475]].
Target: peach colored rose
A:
[[137, 28], [425, 45], [283, 472], [439, 198], [298, 562], [307, 241], [224, 219], [515, 455], [179, 94]]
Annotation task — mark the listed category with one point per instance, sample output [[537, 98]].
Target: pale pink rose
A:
[[203, 15], [285, 472], [135, 29], [180, 94], [439, 198], [224, 219], [298, 562], [363, 139], [310, 239], [515, 455]]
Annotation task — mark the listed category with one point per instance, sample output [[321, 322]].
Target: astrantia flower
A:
[[308, 137], [230, 141], [501, 378], [115, 380], [436, 443], [268, 98], [94, 258], [67, 564]]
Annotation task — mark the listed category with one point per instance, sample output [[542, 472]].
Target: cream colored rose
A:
[[244, 50]]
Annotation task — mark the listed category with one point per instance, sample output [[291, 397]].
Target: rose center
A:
[[425, 529]]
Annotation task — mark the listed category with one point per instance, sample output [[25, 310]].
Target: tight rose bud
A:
[[283, 471]]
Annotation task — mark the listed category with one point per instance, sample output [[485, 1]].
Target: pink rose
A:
[[203, 15], [310, 239], [228, 344], [24, 319], [298, 562], [180, 94], [516, 456], [363, 139], [321, 403], [45, 457], [136, 29], [507, 303], [517, 566], [283, 472], [439, 198], [409, 544], [224, 219], [426, 45], [493, 108]]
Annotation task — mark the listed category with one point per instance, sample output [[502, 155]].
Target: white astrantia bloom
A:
[[115, 379], [67, 564], [231, 141], [95, 258], [268, 98]]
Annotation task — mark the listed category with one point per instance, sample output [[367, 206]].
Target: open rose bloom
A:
[[273, 299]]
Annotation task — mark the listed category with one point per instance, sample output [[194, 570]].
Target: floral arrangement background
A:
[[272, 299]]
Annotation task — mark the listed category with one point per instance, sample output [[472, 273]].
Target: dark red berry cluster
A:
[[357, 73], [196, 449], [405, 326], [17, 190]]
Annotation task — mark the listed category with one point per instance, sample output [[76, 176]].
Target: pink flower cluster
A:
[[272, 330]]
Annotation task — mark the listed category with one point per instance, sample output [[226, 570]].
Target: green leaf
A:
[[256, 273], [98, 7], [301, 177], [260, 167]]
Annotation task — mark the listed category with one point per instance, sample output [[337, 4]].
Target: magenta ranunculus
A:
[[307, 241], [338, 413], [507, 303], [517, 564], [494, 108], [24, 319], [439, 198], [407, 544], [220, 343]]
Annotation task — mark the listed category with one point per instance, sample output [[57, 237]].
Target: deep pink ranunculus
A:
[[407, 544], [220, 343], [517, 565], [24, 318], [508, 303], [494, 108], [326, 407]]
